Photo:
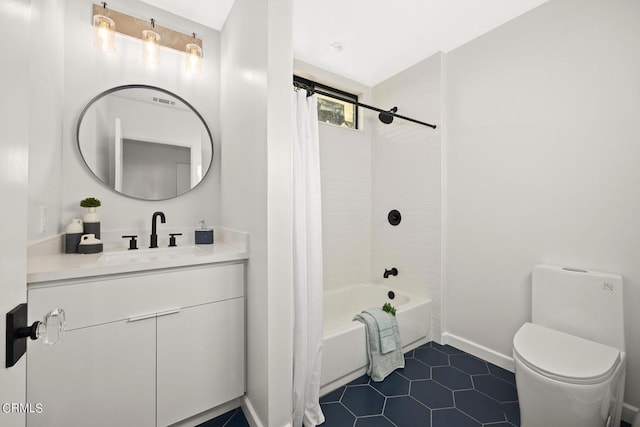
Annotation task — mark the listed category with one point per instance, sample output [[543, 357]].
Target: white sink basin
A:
[[147, 255]]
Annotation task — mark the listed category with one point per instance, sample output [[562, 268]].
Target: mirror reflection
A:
[[144, 142]]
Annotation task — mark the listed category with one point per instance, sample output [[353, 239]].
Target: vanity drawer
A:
[[136, 296]]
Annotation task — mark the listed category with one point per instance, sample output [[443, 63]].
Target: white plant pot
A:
[[91, 216]]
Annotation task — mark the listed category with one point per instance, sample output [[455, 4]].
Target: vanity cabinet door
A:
[[200, 359], [96, 376]]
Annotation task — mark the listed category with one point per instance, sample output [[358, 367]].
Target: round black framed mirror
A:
[[144, 142]]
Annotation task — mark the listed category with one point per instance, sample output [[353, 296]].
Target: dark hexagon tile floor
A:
[[440, 386], [233, 418]]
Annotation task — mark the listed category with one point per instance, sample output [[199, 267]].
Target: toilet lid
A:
[[564, 357]]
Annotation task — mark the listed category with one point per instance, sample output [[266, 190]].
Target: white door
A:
[[14, 110]]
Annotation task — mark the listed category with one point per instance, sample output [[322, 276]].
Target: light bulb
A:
[[193, 62], [104, 33], [151, 47]]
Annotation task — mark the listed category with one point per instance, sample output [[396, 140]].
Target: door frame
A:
[[15, 20]]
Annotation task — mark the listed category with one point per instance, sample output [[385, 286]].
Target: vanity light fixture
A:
[[152, 36], [151, 45], [193, 60], [104, 31]]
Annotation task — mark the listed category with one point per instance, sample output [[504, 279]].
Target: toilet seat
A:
[[564, 357]]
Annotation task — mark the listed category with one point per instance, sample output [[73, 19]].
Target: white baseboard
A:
[[250, 413], [252, 416], [208, 415], [485, 353], [629, 412]]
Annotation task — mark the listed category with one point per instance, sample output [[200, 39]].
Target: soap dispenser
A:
[[204, 235]]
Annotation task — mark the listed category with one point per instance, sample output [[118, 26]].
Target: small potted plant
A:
[[91, 203], [389, 308]]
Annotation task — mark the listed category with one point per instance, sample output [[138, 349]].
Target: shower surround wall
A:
[[345, 168], [406, 171], [345, 159], [367, 172]]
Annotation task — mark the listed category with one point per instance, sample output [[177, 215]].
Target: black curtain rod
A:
[[313, 90]]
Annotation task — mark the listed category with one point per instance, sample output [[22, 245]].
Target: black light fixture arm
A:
[[311, 90]]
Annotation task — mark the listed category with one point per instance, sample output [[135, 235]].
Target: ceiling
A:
[[379, 38], [211, 13]]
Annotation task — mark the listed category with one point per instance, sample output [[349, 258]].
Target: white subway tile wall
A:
[[406, 171]]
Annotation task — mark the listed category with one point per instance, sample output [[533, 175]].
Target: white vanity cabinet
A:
[[150, 348], [199, 359], [97, 376]]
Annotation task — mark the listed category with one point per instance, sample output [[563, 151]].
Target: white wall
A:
[[46, 97], [256, 125], [542, 165], [406, 176], [88, 72], [345, 166], [279, 208]]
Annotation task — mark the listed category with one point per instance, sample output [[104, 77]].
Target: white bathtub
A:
[[344, 340]]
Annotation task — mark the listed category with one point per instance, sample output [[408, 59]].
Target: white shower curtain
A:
[[307, 264]]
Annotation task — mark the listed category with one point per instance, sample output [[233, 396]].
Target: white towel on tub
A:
[[385, 322], [381, 364]]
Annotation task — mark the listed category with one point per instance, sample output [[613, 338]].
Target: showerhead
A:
[[385, 117]]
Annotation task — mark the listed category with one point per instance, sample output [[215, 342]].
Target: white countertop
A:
[[46, 267]]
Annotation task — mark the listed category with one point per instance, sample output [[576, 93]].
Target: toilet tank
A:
[[585, 303]]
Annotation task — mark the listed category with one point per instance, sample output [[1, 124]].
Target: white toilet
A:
[[570, 360]]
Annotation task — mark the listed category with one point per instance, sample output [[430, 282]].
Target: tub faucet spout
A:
[[154, 236], [392, 272]]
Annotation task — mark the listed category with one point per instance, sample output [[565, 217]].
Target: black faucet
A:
[[154, 236], [392, 272]]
